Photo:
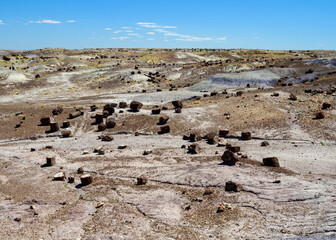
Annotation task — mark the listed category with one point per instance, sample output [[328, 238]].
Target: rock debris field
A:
[[167, 144]]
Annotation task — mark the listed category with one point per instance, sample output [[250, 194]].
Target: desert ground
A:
[[167, 144]]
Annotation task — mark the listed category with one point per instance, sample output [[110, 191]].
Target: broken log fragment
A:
[[271, 162]]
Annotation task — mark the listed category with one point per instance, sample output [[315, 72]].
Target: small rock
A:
[[163, 119], [147, 152], [319, 115], [107, 138], [50, 161], [54, 127], [66, 124], [326, 105], [165, 129], [232, 187], [142, 180], [223, 132], [135, 106], [80, 170], [193, 149], [271, 162], [99, 204], [178, 110], [86, 179], [264, 144], [59, 176], [122, 146], [17, 219], [208, 191], [101, 127], [66, 133], [156, 111], [224, 207], [229, 158], [122, 105], [246, 136], [177, 104], [234, 149], [71, 179]]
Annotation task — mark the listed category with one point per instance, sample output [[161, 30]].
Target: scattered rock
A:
[[177, 104], [66, 133], [147, 152], [229, 158], [223, 132], [178, 110], [210, 137], [80, 170], [165, 129], [86, 179], [232, 187], [71, 179], [264, 144], [101, 127], [110, 123], [75, 114], [193, 149], [208, 191], [59, 176], [93, 108], [224, 207], [122, 146], [234, 149], [292, 97], [142, 180], [99, 204], [122, 105], [51, 161], [163, 119], [66, 124], [107, 138], [57, 110], [326, 105], [99, 118], [194, 137], [45, 121], [54, 127], [319, 115], [271, 162], [246, 136], [135, 106], [156, 111]]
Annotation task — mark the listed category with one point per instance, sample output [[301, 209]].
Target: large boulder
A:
[[165, 129]]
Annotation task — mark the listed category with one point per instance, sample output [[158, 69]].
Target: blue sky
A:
[[285, 24]]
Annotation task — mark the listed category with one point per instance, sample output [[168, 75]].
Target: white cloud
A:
[[118, 31], [120, 38], [126, 27], [151, 33], [153, 25], [133, 34], [150, 39], [195, 39], [46, 21], [128, 31], [108, 29], [221, 39], [1, 22], [172, 34], [70, 21]]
